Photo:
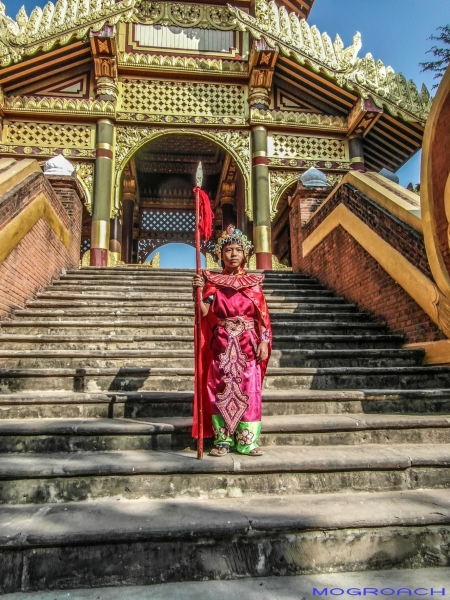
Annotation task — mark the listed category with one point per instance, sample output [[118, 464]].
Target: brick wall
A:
[[341, 264], [40, 256]]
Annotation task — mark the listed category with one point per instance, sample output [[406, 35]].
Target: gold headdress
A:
[[232, 235]]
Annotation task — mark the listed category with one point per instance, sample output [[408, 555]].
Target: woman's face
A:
[[232, 256]]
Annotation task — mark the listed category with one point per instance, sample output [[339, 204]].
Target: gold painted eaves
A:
[[57, 23], [298, 119], [17, 104], [307, 46]]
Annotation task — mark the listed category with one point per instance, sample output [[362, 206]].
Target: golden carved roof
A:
[[67, 21], [305, 45]]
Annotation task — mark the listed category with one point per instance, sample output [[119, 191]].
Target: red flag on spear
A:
[[203, 227]]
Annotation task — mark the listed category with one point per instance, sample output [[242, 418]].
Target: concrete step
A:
[[128, 378], [91, 435], [49, 301], [116, 542], [168, 357], [94, 342], [76, 341], [95, 357], [182, 294], [167, 283], [178, 317], [120, 326], [153, 291], [94, 312], [158, 310], [69, 404], [282, 470]]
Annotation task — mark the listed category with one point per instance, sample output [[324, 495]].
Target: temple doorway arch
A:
[[176, 256], [155, 177]]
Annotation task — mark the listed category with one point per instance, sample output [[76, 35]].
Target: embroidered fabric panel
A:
[[245, 437], [232, 402], [236, 282]]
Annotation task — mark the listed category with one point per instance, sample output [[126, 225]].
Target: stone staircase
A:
[[99, 482]]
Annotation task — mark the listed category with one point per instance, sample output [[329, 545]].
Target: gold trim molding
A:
[[436, 353], [14, 172], [25, 104], [298, 120], [421, 289], [184, 15], [399, 201], [17, 229], [262, 239], [182, 63]]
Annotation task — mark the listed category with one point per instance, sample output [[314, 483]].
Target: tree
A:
[[442, 54]]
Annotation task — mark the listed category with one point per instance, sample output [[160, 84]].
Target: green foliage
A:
[[442, 54]]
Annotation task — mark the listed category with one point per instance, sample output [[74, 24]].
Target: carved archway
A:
[[147, 246], [280, 181], [129, 139]]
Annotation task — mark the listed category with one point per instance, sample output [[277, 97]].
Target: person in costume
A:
[[236, 344]]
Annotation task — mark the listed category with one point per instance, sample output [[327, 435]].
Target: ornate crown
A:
[[233, 236]]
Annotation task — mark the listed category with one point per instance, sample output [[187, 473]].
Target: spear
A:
[[198, 314], [203, 226]]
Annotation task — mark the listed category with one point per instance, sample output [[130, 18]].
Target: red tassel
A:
[[206, 214]]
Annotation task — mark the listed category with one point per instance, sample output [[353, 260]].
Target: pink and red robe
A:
[[231, 376]]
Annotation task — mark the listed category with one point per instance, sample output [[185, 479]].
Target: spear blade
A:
[[199, 175]]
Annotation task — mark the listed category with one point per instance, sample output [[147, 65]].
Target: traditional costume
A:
[[230, 334]]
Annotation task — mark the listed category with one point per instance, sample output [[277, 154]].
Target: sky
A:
[[395, 31]]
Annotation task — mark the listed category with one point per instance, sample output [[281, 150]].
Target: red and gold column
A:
[[115, 240], [356, 153], [103, 190], [261, 199]]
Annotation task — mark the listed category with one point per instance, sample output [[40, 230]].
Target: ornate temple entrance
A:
[[156, 199]]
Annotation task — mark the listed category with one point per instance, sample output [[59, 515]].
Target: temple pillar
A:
[[103, 191], [261, 64], [127, 229], [115, 240], [228, 217], [261, 199], [356, 153], [129, 201]]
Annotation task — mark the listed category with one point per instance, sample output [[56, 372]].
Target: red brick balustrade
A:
[[40, 255], [343, 265]]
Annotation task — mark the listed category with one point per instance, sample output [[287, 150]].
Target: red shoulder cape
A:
[[249, 285]]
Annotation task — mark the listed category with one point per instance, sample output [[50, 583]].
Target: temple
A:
[[135, 93]]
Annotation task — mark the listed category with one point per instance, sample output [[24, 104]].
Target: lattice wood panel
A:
[[292, 146], [47, 134], [182, 98], [168, 221]]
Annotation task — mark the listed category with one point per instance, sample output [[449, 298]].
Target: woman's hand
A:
[[198, 281], [263, 352]]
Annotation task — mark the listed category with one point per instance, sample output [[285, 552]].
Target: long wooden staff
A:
[[198, 315]]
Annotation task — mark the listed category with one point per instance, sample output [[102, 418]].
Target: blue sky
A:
[[395, 31]]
